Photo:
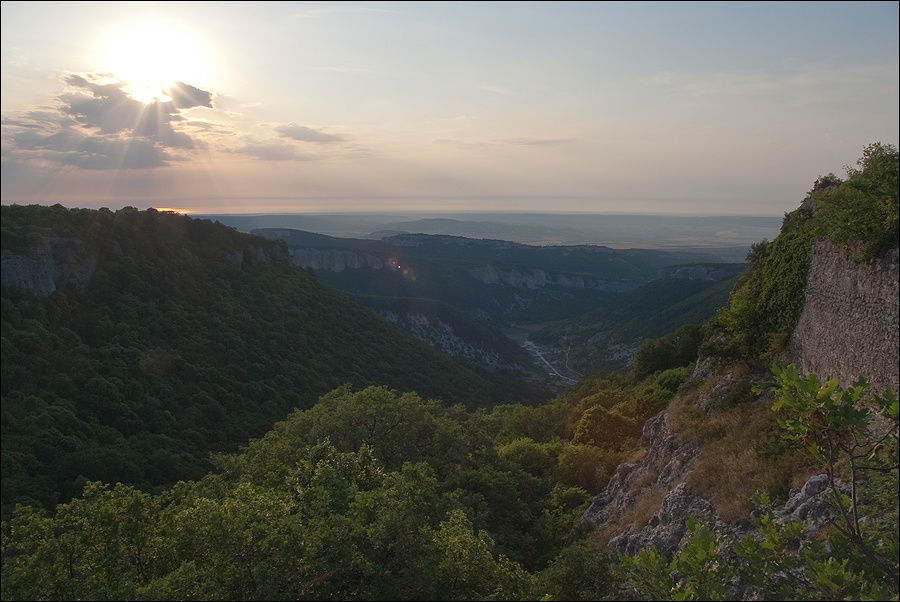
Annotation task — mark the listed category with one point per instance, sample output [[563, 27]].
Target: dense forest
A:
[[188, 338], [376, 492]]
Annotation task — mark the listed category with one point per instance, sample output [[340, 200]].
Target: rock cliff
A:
[[848, 327], [537, 278], [437, 333], [849, 324], [53, 263]]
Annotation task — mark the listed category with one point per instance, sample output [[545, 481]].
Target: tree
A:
[[853, 434]]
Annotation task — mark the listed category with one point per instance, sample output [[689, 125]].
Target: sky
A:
[[681, 108]]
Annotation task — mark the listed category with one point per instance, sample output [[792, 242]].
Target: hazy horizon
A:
[[597, 107], [203, 212]]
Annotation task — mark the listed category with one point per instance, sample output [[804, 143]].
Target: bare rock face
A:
[[660, 472], [701, 272], [849, 323], [437, 333], [537, 278], [54, 263], [338, 260], [811, 503]]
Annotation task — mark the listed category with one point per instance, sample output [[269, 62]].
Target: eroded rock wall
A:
[[849, 323], [52, 264]]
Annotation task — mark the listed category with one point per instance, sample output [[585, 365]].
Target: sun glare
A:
[[151, 54], [173, 210]]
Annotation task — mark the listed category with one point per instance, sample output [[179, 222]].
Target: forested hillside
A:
[[167, 338]]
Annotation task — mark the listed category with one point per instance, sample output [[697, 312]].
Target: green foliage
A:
[[444, 269], [784, 562], [851, 434], [781, 562], [861, 213], [697, 572], [582, 571], [673, 350], [368, 494], [651, 310], [189, 338], [864, 209]]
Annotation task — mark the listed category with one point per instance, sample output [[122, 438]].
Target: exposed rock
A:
[[700, 272], [811, 503], [849, 323], [662, 472], [848, 327], [665, 530], [337, 260], [441, 335], [663, 467], [536, 278], [54, 263]]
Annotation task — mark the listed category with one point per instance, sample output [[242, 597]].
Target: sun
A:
[[151, 54]]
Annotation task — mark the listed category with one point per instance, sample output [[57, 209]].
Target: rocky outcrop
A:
[[648, 502], [849, 323], [50, 265], [708, 273], [810, 503], [536, 278], [437, 333], [657, 477], [338, 260]]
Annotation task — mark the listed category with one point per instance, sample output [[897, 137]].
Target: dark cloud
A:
[[70, 147], [97, 125], [272, 151], [305, 134]]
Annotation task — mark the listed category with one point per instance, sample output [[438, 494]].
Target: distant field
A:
[[730, 235]]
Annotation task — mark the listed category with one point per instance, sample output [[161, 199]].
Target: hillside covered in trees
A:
[[378, 493], [167, 338]]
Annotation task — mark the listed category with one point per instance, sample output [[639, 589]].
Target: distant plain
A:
[[729, 236]]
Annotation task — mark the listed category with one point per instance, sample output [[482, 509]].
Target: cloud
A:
[[271, 151], [305, 134], [505, 142], [69, 147], [536, 141], [96, 124], [211, 127], [186, 96]]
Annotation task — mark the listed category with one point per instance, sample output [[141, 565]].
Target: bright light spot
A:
[[151, 54], [173, 210]]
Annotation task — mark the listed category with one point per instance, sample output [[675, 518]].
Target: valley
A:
[[583, 307]]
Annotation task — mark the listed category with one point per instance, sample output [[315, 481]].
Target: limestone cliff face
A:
[[437, 333], [849, 324], [56, 262], [50, 265], [537, 278], [338, 260]]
